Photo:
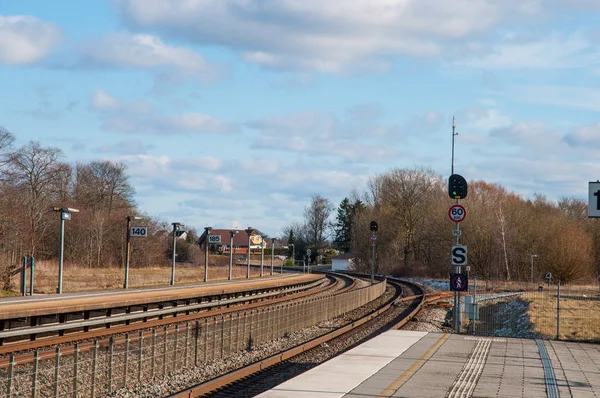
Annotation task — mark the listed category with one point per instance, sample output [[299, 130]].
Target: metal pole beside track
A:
[[127, 252], [61, 252]]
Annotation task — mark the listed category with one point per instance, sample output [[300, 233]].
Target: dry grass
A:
[[77, 278], [579, 313]]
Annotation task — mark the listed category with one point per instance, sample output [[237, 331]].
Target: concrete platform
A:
[[420, 364], [44, 304]]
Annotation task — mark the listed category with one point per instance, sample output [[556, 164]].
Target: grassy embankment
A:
[[79, 278]]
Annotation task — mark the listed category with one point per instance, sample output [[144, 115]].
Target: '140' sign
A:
[[141, 232]]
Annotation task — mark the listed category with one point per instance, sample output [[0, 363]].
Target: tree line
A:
[[34, 178], [502, 229]]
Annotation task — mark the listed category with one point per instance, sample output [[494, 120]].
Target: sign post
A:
[[457, 213], [307, 260], [374, 228], [594, 200]]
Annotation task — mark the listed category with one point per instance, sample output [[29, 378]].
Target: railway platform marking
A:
[[414, 368]]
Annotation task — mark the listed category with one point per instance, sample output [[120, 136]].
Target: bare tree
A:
[[317, 223], [36, 172]]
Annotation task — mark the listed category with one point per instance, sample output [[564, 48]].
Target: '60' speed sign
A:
[[457, 213]]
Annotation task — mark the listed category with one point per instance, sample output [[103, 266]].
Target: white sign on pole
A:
[[594, 200], [459, 255], [140, 232], [457, 213], [456, 232], [213, 239], [373, 236]]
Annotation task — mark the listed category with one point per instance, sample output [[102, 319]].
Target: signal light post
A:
[[373, 227], [457, 189]]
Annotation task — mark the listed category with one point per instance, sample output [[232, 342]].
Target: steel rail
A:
[[121, 329], [246, 371], [145, 314]]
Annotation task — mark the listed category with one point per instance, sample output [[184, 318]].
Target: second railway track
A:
[[392, 310]]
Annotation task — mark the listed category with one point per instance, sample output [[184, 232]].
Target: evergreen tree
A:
[[291, 241], [343, 225]]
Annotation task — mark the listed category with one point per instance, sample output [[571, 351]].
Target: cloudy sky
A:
[[233, 113]]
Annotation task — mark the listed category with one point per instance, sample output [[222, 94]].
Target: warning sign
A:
[[459, 283]]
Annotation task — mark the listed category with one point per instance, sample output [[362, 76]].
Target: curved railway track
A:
[[337, 284], [39, 336], [397, 309]]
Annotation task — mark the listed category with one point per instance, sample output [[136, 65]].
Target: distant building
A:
[[220, 241], [342, 262]]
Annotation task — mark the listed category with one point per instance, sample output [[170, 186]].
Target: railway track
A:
[[390, 313], [159, 356], [38, 336]]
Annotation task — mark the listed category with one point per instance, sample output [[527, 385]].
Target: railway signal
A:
[[457, 187], [373, 227]]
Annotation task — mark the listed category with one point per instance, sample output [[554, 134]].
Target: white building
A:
[[342, 262]]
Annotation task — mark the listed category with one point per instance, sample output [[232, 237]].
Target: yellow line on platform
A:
[[414, 368]]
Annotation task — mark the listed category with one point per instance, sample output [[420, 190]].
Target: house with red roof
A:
[[221, 241]]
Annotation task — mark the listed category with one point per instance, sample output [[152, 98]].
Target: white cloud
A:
[[25, 40], [143, 51], [330, 36], [516, 51], [358, 138], [168, 125], [585, 136], [102, 100], [136, 117], [564, 96]]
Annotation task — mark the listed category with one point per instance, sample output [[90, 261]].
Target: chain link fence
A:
[[548, 311]]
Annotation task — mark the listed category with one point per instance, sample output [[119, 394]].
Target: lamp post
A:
[[176, 227], [249, 232], [231, 235], [206, 243], [272, 254], [532, 257], [128, 248], [65, 214]]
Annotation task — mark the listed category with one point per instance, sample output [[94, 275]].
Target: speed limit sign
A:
[[457, 213]]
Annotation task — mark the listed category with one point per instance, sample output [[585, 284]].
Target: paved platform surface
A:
[[421, 364]]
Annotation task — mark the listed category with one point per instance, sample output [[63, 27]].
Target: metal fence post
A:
[[56, 371], [558, 312], [165, 353], [31, 276], [204, 350], [75, 368], [153, 354], [126, 360], [222, 334], [196, 338], [36, 361], [175, 348], [141, 357], [110, 362], [24, 277], [11, 367], [94, 362], [187, 343]]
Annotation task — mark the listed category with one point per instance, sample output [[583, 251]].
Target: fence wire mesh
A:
[[548, 311], [97, 368]]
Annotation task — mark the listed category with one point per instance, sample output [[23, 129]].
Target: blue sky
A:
[[233, 113]]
